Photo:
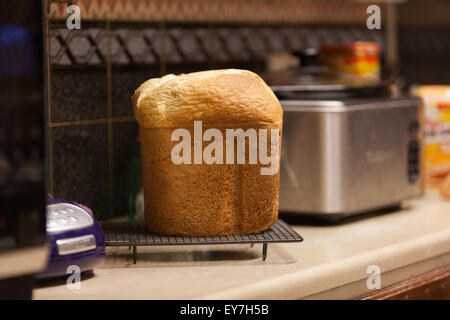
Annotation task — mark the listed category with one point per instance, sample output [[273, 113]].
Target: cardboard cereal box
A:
[[437, 138]]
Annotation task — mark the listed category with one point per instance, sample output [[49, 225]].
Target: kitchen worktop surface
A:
[[332, 262]]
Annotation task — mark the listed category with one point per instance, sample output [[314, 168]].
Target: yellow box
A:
[[437, 137]]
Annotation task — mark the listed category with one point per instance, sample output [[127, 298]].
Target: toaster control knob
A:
[[414, 127], [413, 161]]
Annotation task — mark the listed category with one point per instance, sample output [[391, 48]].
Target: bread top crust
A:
[[217, 97]]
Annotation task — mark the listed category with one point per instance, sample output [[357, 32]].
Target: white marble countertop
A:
[[332, 262]]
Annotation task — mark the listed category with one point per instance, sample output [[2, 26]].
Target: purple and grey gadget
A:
[[75, 238]]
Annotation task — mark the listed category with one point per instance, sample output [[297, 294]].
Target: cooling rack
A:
[[135, 234]]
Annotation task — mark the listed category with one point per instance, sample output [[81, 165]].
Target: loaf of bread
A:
[[197, 197]]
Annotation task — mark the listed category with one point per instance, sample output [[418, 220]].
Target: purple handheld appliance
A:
[[75, 238]]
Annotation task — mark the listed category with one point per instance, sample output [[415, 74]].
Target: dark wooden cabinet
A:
[[433, 285]]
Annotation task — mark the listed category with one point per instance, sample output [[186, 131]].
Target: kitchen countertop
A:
[[332, 262]]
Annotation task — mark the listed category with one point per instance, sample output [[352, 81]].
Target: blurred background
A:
[[93, 153], [353, 127]]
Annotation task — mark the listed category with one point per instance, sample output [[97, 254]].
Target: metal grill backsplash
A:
[[95, 70], [184, 44]]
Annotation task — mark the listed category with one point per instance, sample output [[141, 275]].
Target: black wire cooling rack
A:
[[134, 234]]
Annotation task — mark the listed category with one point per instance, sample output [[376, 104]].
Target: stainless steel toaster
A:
[[343, 157]]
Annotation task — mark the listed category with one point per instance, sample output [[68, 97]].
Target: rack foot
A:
[[264, 251], [134, 254]]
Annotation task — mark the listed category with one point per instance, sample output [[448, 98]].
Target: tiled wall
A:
[[236, 11], [424, 55], [411, 12]]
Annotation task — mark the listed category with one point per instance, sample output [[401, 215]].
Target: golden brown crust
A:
[[203, 200], [218, 96]]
